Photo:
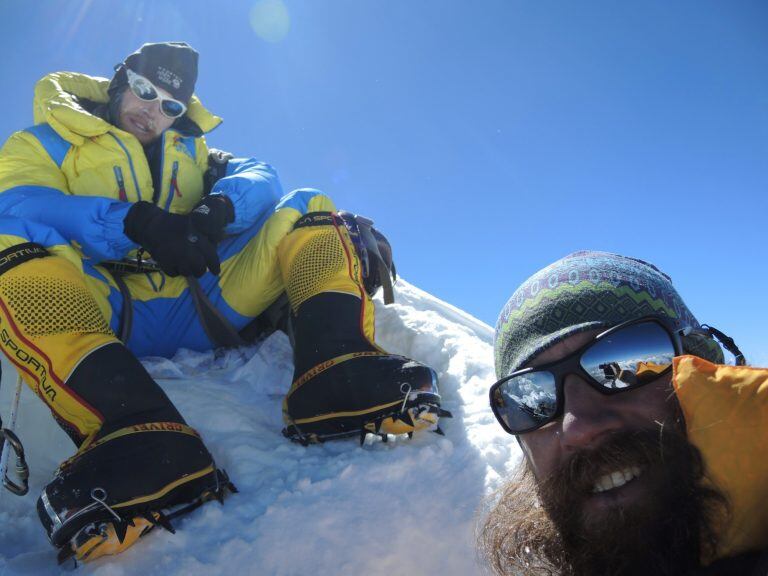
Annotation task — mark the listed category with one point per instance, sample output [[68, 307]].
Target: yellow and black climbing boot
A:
[[116, 489], [344, 384], [140, 468]]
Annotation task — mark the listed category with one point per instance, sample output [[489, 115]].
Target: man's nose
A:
[[151, 108], [587, 414]]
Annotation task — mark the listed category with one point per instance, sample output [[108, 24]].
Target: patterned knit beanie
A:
[[582, 292]]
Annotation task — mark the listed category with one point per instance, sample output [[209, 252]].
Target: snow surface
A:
[[404, 507]]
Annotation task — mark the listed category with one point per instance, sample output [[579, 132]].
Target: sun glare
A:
[[270, 20]]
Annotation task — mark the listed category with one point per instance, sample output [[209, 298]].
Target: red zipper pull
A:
[[120, 184], [174, 181]]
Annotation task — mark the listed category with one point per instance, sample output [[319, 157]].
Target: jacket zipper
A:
[[174, 181], [130, 164], [173, 187], [120, 183], [156, 192]]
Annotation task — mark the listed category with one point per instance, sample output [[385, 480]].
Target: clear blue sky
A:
[[486, 138]]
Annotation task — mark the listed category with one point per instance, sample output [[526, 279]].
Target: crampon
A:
[[415, 412], [112, 533], [119, 487]]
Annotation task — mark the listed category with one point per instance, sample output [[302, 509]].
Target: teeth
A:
[[141, 126], [615, 479]]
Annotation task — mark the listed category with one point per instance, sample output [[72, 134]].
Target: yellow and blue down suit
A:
[[66, 186], [67, 183]]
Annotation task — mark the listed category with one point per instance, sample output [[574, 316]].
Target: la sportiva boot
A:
[[113, 492], [143, 468], [137, 460], [344, 384]]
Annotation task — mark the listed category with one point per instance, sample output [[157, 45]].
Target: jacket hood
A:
[[726, 409], [59, 101]]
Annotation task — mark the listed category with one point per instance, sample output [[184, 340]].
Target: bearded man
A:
[[641, 449]]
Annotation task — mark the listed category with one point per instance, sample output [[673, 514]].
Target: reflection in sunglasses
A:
[[622, 358], [143, 89]]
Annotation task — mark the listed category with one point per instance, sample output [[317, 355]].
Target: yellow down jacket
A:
[[726, 415], [79, 174], [71, 150]]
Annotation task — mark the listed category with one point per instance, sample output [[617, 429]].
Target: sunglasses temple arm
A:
[[727, 343]]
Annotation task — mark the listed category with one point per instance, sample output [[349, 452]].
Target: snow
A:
[[402, 507]]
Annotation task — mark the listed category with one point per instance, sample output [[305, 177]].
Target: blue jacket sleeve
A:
[[95, 223], [33, 188], [253, 188]]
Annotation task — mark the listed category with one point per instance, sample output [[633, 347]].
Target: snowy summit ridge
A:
[[402, 507]]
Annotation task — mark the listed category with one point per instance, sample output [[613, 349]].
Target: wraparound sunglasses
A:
[[624, 357], [143, 89]]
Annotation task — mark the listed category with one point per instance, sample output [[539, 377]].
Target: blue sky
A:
[[487, 139]]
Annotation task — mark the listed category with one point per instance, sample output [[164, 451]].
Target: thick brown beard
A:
[[540, 529]]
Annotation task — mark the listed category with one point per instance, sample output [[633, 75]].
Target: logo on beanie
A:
[[169, 77]]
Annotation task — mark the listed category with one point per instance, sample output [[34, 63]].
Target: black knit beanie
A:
[[171, 66]]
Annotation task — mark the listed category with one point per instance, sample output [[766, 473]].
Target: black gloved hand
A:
[[173, 240], [212, 214]]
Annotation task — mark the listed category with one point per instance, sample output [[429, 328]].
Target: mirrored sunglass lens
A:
[[526, 401], [143, 89], [172, 108], [632, 356]]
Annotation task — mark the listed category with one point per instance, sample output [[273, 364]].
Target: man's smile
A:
[[142, 125], [624, 487], [615, 479]]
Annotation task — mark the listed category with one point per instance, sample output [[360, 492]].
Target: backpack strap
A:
[[218, 329], [375, 254], [126, 316], [217, 168]]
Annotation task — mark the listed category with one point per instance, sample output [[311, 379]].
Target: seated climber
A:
[[123, 235]]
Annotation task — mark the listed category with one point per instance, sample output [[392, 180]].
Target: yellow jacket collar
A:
[[57, 102], [726, 416]]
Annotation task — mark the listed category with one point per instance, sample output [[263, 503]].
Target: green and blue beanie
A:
[[584, 291]]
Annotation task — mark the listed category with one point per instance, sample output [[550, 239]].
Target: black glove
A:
[[211, 215], [175, 242]]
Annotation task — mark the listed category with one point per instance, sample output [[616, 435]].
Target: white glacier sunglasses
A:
[[143, 89]]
